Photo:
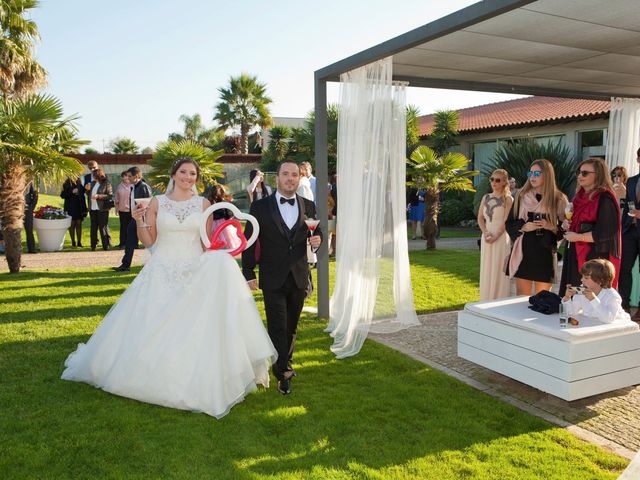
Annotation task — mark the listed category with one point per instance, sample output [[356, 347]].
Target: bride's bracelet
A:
[[143, 226]]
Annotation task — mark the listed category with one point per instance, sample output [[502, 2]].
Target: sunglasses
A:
[[617, 175], [495, 180], [584, 173], [534, 173]]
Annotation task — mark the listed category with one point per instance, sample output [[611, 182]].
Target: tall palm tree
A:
[[243, 105], [33, 138], [434, 173], [20, 74], [445, 130], [168, 152]]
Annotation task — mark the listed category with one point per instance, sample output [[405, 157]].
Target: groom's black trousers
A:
[[283, 307]]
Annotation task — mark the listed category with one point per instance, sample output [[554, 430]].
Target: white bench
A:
[[571, 363]]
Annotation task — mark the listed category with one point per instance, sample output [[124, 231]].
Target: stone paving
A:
[[611, 419]]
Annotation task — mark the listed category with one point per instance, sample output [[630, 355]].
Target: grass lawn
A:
[[379, 415]]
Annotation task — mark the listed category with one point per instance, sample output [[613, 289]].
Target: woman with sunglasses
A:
[[594, 230], [533, 226], [495, 244], [620, 176]]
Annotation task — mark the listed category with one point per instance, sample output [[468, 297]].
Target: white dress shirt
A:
[[288, 212], [606, 307], [94, 191]]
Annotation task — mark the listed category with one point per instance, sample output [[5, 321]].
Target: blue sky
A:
[[132, 67]]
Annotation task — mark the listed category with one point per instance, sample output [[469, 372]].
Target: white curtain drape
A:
[[623, 138], [373, 285]]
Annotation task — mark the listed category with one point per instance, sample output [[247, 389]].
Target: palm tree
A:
[[33, 138], [413, 128], [278, 148], [195, 131], [434, 173], [445, 130], [168, 152], [123, 145], [243, 106], [20, 74]]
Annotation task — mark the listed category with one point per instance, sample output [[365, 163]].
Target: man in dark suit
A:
[[284, 271], [630, 238], [139, 189]]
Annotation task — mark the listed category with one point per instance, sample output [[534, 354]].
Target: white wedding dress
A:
[[186, 333]]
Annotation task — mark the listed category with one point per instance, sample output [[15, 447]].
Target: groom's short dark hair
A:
[[282, 163]]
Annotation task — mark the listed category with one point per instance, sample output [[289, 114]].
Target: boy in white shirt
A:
[[596, 299]]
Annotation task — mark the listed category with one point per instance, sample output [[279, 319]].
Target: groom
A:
[[284, 271]]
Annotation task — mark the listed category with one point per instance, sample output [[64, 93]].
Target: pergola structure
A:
[[568, 48]]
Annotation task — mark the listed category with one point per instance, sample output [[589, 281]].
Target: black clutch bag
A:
[[587, 227]]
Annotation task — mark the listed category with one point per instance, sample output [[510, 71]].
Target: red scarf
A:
[[585, 209]]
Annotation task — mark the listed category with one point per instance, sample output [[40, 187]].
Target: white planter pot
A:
[[51, 233]]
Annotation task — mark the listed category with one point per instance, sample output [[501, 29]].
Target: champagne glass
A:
[[145, 203], [568, 214], [312, 224], [632, 208]]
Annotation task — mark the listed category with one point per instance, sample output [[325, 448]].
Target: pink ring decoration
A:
[[245, 243]]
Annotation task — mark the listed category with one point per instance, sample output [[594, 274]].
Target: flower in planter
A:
[[49, 212]]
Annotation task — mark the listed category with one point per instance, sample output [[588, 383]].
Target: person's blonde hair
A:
[[600, 270], [623, 171], [602, 180], [504, 175], [551, 196]]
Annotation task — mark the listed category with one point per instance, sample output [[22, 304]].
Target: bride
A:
[[186, 333]]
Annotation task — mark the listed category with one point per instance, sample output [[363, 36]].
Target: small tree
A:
[[90, 151], [123, 145], [278, 148], [33, 138], [434, 173], [243, 106], [413, 128], [168, 152], [445, 131]]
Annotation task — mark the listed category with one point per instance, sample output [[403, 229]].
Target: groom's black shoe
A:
[[284, 387], [121, 268]]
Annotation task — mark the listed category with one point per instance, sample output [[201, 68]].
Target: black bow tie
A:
[[290, 201]]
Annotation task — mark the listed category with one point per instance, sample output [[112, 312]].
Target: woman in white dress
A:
[[186, 333], [495, 245]]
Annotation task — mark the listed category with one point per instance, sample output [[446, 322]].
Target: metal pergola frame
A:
[[454, 22]]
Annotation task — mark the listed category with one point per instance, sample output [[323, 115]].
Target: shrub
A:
[[454, 211]]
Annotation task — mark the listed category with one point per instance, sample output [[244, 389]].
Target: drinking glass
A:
[[632, 208], [312, 224], [145, 203], [562, 315]]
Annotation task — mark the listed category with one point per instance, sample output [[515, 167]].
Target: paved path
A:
[[611, 420]]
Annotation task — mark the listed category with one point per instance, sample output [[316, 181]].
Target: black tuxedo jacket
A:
[[281, 250], [627, 221]]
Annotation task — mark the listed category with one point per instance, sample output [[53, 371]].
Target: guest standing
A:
[[139, 189], [533, 226], [76, 207], [122, 206], [619, 177], [30, 202], [416, 211], [594, 230], [495, 243], [257, 189], [630, 237], [101, 196]]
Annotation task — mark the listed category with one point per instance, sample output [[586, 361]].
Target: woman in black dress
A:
[[534, 227], [76, 206]]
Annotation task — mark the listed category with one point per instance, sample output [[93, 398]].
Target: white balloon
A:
[[237, 214]]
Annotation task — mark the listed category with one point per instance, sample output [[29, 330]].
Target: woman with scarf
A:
[[594, 230], [534, 225]]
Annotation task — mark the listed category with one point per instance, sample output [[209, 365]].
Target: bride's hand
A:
[[253, 284], [138, 212]]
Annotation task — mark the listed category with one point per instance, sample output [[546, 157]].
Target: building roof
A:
[[523, 112]]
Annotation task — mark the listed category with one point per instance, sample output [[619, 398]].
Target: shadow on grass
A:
[[378, 410], [71, 295]]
